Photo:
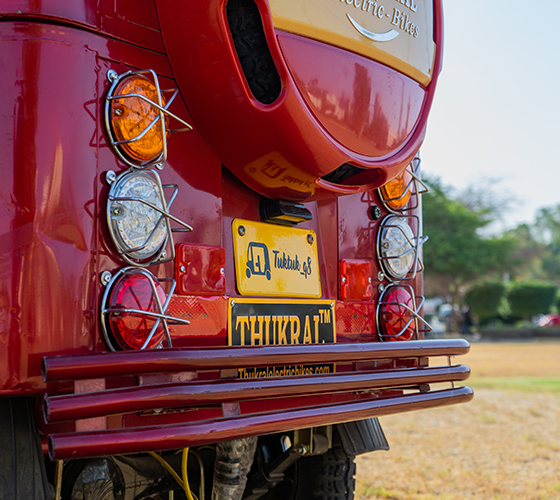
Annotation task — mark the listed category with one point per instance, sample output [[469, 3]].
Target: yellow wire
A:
[[185, 476], [183, 483], [169, 468]]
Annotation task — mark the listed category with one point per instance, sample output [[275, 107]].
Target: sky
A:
[[495, 120]]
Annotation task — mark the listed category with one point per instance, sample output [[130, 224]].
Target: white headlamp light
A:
[[135, 214], [396, 246]]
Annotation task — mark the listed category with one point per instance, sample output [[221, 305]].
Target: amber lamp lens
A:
[[130, 330], [397, 192], [130, 116], [393, 316]]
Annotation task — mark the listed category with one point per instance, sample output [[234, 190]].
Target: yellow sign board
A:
[[398, 33], [277, 261]]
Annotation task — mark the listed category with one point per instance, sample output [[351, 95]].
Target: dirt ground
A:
[[505, 444]]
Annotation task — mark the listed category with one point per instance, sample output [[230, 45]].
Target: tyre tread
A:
[[332, 473]]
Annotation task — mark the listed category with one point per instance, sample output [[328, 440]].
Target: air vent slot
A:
[[246, 29], [350, 175]]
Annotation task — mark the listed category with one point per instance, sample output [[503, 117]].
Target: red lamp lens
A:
[[393, 316], [130, 330]]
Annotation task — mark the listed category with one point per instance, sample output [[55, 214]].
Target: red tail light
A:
[[134, 310], [396, 314], [130, 330]]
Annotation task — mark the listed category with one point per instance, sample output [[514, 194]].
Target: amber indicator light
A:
[[397, 192], [136, 122]]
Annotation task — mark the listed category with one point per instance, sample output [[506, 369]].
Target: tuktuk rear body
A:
[[212, 232]]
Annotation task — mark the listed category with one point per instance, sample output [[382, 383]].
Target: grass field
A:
[[503, 445]]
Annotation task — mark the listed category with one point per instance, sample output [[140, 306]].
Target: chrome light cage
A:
[[415, 243], [417, 303], [161, 317], [163, 111], [167, 250], [416, 184]]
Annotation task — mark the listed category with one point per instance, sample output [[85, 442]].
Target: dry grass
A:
[[505, 444]]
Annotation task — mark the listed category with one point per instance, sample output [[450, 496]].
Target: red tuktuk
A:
[[212, 244]]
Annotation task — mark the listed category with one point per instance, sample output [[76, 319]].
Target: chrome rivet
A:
[[112, 75], [380, 276], [116, 211], [343, 279], [380, 288], [241, 230], [232, 303], [370, 279], [222, 270], [310, 239], [105, 278], [110, 177], [183, 269], [118, 111], [332, 304], [163, 255]]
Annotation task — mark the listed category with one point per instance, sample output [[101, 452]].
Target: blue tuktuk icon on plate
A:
[[258, 262]]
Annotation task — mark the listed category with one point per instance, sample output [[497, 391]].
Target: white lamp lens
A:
[[139, 230], [396, 247]]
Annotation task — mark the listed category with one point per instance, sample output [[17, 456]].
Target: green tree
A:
[[529, 298], [456, 255], [528, 254], [548, 232], [485, 299]]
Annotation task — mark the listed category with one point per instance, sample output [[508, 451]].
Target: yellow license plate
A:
[[261, 322], [272, 260]]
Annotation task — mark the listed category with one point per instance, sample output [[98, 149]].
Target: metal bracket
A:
[[414, 315], [414, 243], [161, 256], [415, 183], [163, 111], [161, 316]]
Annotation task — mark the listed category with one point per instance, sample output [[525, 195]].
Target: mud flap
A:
[[23, 474], [362, 436]]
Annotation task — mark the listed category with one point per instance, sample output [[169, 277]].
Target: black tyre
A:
[[326, 477], [23, 475]]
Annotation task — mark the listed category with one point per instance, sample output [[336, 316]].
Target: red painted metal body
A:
[[55, 57], [295, 134]]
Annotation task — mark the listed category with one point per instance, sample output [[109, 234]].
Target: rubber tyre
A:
[[23, 475], [326, 477]]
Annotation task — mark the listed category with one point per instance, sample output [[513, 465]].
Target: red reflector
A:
[[130, 329], [355, 279], [200, 269], [396, 316]]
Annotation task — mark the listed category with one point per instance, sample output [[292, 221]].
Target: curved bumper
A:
[[356, 393]]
